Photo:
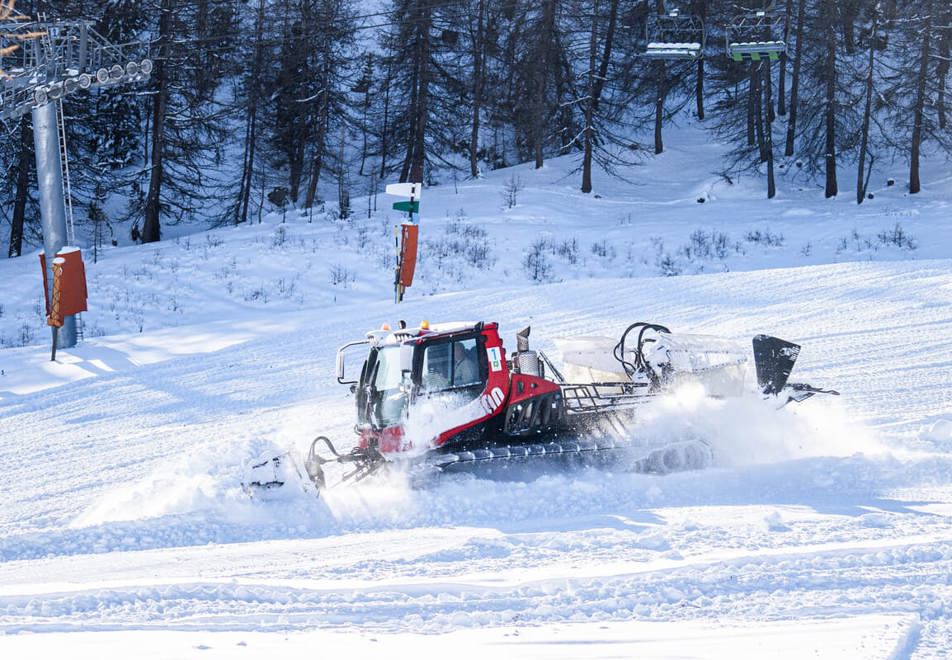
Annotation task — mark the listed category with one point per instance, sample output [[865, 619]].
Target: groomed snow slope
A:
[[824, 530]]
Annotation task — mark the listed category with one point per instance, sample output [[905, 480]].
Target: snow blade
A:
[[774, 359]]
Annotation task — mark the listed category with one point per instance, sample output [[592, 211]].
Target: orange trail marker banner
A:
[[408, 253]]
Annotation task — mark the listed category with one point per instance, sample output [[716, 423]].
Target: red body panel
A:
[[389, 440], [525, 387], [494, 397]]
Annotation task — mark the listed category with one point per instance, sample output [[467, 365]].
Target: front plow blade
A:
[[270, 474]]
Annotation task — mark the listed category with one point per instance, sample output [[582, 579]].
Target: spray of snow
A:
[[429, 417], [749, 430], [200, 482]]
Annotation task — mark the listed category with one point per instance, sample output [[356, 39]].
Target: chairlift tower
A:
[[41, 62], [756, 35], [674, 36]]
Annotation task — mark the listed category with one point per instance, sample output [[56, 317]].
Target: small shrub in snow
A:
[[807, 249], [667, 265], [258, 294], [25, 334], [363, 237], [603, 249], [279, 237], [213, 241], [536, 262], [462, 244], [857, 241], [286, 287], [897, 237], [708, 245], [228, 271], [568, 250], [342, 276], [511, 190], [765, 237]]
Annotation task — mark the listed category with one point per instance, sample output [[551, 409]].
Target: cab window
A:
[[451, 365]]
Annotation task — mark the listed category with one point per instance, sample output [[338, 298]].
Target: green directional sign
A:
[[407, 207]]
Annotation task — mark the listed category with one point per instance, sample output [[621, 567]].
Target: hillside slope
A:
[[823, 530]]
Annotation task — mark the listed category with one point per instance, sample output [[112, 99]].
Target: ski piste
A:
[[445, 399]]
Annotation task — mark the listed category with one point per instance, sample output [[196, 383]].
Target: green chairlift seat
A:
[[756, 36]]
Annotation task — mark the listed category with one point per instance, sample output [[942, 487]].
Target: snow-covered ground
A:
[[822, 531]]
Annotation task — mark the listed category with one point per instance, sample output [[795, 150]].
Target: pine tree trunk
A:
[[830, 79], [701, 9], [867, 114], [24, 157], [782, 81], [589, 104], [413, 113], [543, 71], [365, 118], [251, 124], [662, 77], [320, 143], [795, 83], [151, 226], [320, 138], [942, 70], [848, 13], [768, 138], [385, 127], [596, 83], [751, 110], [761, 114], [478, 53], [423, 97], [914, 183]]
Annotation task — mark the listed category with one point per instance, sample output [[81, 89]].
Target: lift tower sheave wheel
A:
[[42, 61], [674, 36], [756, 36]]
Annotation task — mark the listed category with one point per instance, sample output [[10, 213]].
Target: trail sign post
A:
[[405, 236], [411, 190], [407, 207]]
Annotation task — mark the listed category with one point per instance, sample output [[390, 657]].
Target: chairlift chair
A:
[[674, 36], [756, 35]]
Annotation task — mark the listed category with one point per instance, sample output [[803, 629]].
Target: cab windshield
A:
[[388, 398]]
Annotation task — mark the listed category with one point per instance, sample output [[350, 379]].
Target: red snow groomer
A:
[[447, 399]]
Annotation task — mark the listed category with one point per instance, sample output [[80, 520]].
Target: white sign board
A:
[[413, 190]]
